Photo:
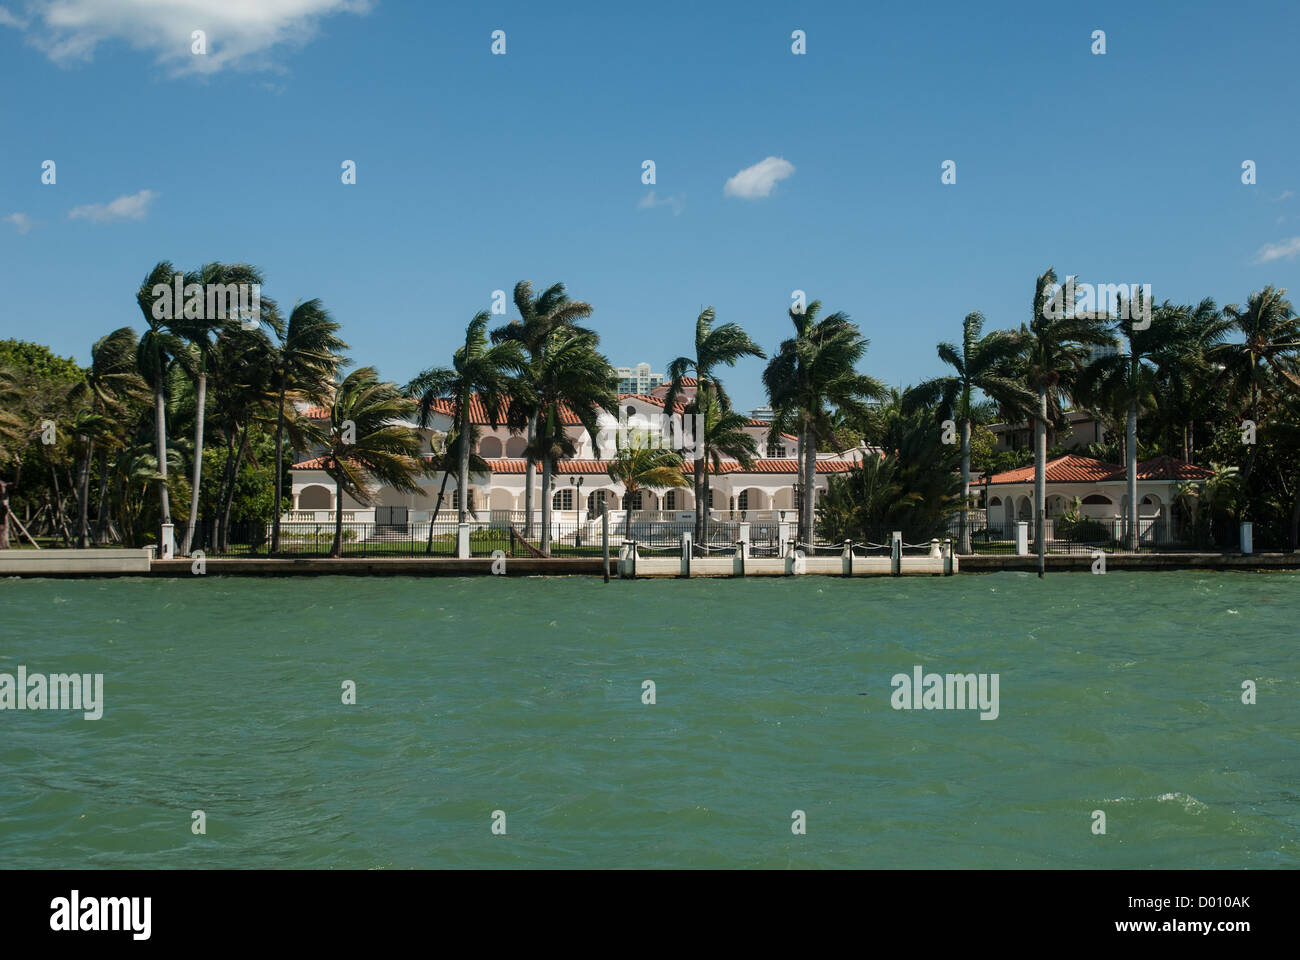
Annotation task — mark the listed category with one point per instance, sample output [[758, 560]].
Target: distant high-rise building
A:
[[638, 379], [763, 413]]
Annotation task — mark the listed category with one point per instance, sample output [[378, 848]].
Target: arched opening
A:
[[1096, 499], [490, 448], [562, 499], [501, 499], [596, 501], [515, 446], [315, 497]]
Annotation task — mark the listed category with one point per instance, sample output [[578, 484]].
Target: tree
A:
[[1267, 356], [369, 443], [108, 386], [307, 358], [812, 377], [199, 332], [1057, 341], [982, 364], [724, 436], [640, 465], [477, 368], [570, 377], [714, 347], [539, 317], [158, 348]]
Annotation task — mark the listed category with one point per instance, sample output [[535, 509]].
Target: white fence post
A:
[[1022, 538], [462, 541]]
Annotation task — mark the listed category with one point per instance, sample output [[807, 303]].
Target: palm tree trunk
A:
[[160, 437], [83, 495], [1040, 480], [1130, 453], [200, 404], [530, 468], [101, 517], [4, 515], [546, 505], [279, 471], [230, 494], [437, 506], [336, 551], [462, 473], [701, 498], [963, 545], [809, 476]]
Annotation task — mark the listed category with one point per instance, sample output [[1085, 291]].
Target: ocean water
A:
[[1120, 693]]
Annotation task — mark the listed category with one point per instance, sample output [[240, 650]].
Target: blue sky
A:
[[475, 171]]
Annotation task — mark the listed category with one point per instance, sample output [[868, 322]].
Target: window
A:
[[742, 502], [713, 499], [776, 451], [596, 501], [670, 500], [455, 500], [563, 499], [995, 502], [632, 501]]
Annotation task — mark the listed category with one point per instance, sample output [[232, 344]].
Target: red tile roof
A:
[[1073, 468], [509, 465]]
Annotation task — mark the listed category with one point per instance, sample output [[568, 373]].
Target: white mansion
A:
[[766, 492]]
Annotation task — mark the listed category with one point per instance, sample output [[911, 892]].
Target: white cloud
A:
[[758, 180], [677, 201], [129, 207], [7, 19], [22, 223], [239, 33], [1282, 250]]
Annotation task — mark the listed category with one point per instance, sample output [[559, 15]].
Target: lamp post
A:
[[576, 482]]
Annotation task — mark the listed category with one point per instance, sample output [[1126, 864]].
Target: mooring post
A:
[[947, 557], [686, 554], [847, 556], [738, 565], [896, 553]]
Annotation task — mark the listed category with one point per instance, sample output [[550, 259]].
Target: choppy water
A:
[[1119, 693]]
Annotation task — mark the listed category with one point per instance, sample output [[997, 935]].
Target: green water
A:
[[1119, 693]]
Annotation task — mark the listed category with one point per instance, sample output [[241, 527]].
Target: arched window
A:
[[455, 500], [632, 501], [742, 502], [995, 502], [596, 500], [670, 500], [489, 448], [563, 499]]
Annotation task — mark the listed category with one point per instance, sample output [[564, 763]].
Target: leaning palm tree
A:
[[157, 349], [539, 317], [983, 364], [572, 378], [811, 381], [476, 368], [308, 356], [714, 347], [369, 443], [200, 333], [1268, 355], [640, 464], [1057, 341], [109, 385]]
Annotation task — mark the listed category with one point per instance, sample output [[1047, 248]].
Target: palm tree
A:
[[477, 368], [110, 383], [1130, 379], [811, 379], [1271, 337], [724, 436], [640, 465], [539, 317], [369, 443], [983, 364], [571, 377], [714, 347], [308, 356], [1189, 386], [1057, 346], [157, 349]]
